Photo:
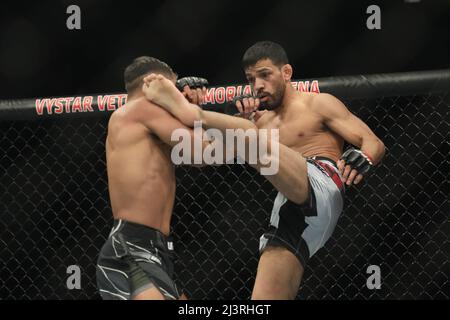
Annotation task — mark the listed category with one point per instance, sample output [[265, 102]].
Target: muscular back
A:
[[140, 172], [302, 129]]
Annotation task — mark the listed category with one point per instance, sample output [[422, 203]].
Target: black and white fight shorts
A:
[[304, 229], [133, 259]]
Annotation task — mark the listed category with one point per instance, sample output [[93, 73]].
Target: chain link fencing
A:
[[55, 212]]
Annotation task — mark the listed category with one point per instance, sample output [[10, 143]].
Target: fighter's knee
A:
[[299, 195]]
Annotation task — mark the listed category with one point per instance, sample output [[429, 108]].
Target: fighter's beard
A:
[[276, 102]]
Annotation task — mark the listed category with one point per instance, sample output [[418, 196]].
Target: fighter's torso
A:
[[302, 129], [141, 176]]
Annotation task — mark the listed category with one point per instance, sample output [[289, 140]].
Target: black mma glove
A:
[[232, 108], [191, 82], [357, 160]]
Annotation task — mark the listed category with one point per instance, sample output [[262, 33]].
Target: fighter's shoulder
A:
[[144, 110], [323, 103], [138, 114], [117, 116], [142, 104], [317, 99]]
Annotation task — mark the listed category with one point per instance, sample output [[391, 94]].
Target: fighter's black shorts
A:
[[303, 229], [133, 259]]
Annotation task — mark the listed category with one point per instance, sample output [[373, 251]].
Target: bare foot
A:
[[161, 91]]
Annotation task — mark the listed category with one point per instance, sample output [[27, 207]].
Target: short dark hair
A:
[[264, 50], [142, 66]]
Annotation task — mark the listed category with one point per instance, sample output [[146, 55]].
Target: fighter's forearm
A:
[[222, 149], [220, 121], [205, 151], [374, 148]]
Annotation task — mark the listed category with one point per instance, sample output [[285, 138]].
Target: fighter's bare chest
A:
[[293, 129]]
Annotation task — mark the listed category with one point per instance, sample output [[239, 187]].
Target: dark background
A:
[[54, 205], [40, 57]]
